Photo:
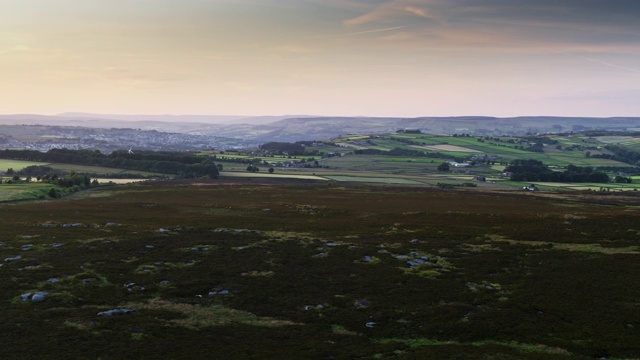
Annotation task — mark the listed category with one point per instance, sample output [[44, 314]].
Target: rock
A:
[[53, 280], [361, 303], [371, 324], [72, 225], [113, 312], [39, 296], [165, 282], [149, 246], [15, 258], [56, 245], [218, 291], [415, 241], [366, 258], [415, 262], [27, 247], [132, 287]]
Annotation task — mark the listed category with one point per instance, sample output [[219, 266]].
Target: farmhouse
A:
[[457, 164]]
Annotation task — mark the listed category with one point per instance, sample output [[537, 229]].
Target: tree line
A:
[[185, 165], [535, 170]]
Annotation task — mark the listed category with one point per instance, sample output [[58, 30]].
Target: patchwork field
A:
[[245, 270]]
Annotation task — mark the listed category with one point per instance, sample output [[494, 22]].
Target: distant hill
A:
[[296, 128]]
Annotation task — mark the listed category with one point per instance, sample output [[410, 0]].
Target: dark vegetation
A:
[[186, 165], [535, 170], [254, 271], [620, 153]]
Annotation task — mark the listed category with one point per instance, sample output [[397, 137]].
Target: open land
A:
[[262, 270]]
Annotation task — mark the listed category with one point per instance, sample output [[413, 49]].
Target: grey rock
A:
[[415, 262], [113, 312], [39, 296]]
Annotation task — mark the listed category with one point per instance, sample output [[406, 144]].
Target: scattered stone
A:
[[366, 258], [371, 324], [15, 258], [415, 262], [53, 280], [218, 291], [72, 225], [113, 312], [34, 297], [132, 287], [39, 296], [27, 247], [415, 241], [30, 267], [165, 282], [149, 246], [111, 224], [200, 248], [402, 257], [332, 244], [361, 303], [56, 245]]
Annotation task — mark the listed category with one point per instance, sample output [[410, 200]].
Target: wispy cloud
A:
[[377, 30], [615, 66], [393, 11]]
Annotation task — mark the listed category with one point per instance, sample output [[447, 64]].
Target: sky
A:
[[400, 58]]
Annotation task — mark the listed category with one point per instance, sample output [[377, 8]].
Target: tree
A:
[[443, 167], [270, 170]]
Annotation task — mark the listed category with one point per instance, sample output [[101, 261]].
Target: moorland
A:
[[266, 270]]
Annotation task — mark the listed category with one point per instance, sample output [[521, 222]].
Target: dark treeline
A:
[[180, 164], [534, 170], [620, 154], [402, 152], [284, 148]]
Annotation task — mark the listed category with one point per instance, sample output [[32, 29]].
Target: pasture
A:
[[17, 165]]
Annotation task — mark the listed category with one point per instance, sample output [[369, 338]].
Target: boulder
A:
[[113, 312]]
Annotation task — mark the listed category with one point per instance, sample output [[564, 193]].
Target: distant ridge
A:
[[305, 127]]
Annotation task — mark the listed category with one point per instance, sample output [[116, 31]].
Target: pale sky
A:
[[404, 58]]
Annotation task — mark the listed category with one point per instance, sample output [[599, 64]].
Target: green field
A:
[[17, 165], [30, 191]]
